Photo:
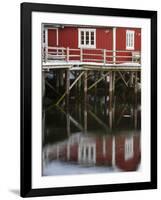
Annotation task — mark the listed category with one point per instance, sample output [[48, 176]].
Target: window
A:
[[87, 153], [87, 38], [130, 39], [129, 148]]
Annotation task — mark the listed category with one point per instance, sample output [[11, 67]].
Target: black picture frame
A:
[[26, 104]]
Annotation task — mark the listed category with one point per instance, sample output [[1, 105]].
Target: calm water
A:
[[92, 137]]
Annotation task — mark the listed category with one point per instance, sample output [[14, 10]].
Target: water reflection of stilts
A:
[[116, 113], [70, 119]]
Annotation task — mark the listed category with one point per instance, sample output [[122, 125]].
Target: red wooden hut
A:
[[91, 44]]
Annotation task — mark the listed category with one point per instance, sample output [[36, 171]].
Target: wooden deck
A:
[[91, 66]]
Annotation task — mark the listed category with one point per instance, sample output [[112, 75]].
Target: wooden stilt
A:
[[113, 109], [79, 85], [95, 92], [136, 84], [135, 93], [110, 85], [106, 95], [85, 117], [95, 87], [85, 86], [43, 83], [110, 116], [80, 112], [67, 79], [131, 79], [85, 101], [110, 97], [113, 97], [113, 84], [76, 86]]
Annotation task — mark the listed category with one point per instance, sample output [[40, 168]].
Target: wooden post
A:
[[110, 84], [67, 87], [46, 53], [136, 83], [76, 86], [110, 114], [43, 83], [106, 92], [110, 97], [85, 86], [95, 90], [131, 79], [113, 84], [114, 45], [135, 93], [57, 37], [85, 101], [67, 49], [79, 85], [85, 116], [80, 111], [113, 109], [46, 45]]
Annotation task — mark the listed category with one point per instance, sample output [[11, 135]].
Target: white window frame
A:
[[130, 39], [86, 45]]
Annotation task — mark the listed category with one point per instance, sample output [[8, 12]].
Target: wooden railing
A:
[[90, 55]]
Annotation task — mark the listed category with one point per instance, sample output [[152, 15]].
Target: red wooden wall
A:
[[52, 37], [68, 37]]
